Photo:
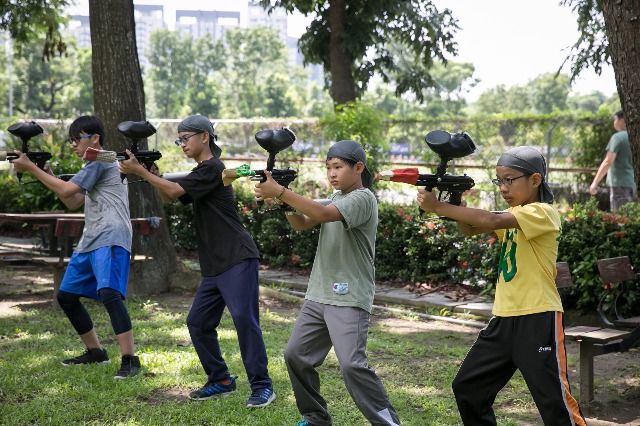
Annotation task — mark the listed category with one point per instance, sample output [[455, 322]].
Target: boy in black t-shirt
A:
[[228, 263]]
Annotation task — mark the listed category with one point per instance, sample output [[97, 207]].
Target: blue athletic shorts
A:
[[89, 272]]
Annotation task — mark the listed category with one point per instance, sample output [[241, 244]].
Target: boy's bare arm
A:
[[471, 221], [68, 192], [169, 191], [313, 213]]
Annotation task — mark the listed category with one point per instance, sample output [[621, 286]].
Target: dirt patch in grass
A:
[[25, 286]]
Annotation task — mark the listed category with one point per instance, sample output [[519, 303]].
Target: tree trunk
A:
[[118, 96], [622, 23], [343, 87]]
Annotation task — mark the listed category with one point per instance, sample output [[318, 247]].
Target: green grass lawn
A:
[[416, 360]]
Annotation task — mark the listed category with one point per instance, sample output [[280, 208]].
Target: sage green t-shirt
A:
[[621, 171], [345, 254]]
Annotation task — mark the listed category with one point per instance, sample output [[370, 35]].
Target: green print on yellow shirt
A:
[[508, 257]]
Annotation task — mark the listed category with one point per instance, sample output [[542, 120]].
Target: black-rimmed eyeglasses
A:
[[506, 181], [185, 139]]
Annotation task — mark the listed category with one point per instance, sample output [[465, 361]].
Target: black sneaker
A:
[[261, 397], [90, 356], [212, 390], [129, 367]]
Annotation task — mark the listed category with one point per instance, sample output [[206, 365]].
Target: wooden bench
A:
[[614, 273], [593, 341], [69, 231]]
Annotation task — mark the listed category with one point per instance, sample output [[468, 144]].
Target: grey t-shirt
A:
[[107, 220], [343, 271], [621, 171]]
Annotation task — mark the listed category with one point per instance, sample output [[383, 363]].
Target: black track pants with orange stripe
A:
[[533, 344]]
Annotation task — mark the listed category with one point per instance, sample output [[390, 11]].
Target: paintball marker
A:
[[26, 131], [136, 131], [273, 141], [448, 146]]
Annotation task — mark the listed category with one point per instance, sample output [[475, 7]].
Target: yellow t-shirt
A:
[[527, 268]]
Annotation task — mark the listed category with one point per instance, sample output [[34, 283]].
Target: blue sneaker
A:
[[213, 390], [304, 422], [261, 397]]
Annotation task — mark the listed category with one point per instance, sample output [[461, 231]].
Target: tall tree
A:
[[352, 40], [119, 96], [610, 33]]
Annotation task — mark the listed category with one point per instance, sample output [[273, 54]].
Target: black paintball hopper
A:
[[136, 130], [25, 131], [274, 141], [450, 145]]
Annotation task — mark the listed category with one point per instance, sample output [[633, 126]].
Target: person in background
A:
[[618, 166]]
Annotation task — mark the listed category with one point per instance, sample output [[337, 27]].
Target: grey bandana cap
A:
[[200, 123], [528, 160], [352, 150]]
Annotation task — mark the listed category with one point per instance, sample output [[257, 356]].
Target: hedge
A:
[[412, 250]]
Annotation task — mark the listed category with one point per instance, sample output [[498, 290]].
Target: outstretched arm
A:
[[68, 192], [470, 221], [313, 213], [169, 191]]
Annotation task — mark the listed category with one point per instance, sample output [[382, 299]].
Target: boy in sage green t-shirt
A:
[[337, 306]]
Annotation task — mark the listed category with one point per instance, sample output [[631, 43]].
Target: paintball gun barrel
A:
[[26, 131], [273, 141], [448, 146]]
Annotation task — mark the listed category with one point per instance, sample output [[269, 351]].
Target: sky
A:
[[509, 42]]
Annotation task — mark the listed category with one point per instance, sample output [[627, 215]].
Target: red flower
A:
[[295, 259], [431, 225], [492, 240]]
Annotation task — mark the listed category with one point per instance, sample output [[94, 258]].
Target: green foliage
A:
[[57, 88], [372, 38], [27, 20], [362, 123], [591, 50], [589, 234], [181, 75]]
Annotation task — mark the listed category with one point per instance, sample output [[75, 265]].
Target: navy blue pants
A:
[[237, 289]]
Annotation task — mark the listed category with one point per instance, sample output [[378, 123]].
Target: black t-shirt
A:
[[222, 240]]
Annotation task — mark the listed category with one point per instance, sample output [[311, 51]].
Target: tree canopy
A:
[[355, 39], [29, 19]]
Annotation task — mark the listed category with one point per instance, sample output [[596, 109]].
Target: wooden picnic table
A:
[[49, 219]]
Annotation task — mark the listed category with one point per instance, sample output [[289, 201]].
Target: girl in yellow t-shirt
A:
[[526, 332]]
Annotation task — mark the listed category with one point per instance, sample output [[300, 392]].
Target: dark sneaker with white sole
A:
[[261, 397], [90, 356], [129, 367], [213, 390]]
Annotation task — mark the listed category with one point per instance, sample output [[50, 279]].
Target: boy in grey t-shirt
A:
[[99, 266], [337, 306]]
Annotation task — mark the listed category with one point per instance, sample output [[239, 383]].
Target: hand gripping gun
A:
[[273, 141], [26, 131], [448, 146], [135, 131]]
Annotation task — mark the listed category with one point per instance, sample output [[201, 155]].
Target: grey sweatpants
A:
[[318, 328]]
